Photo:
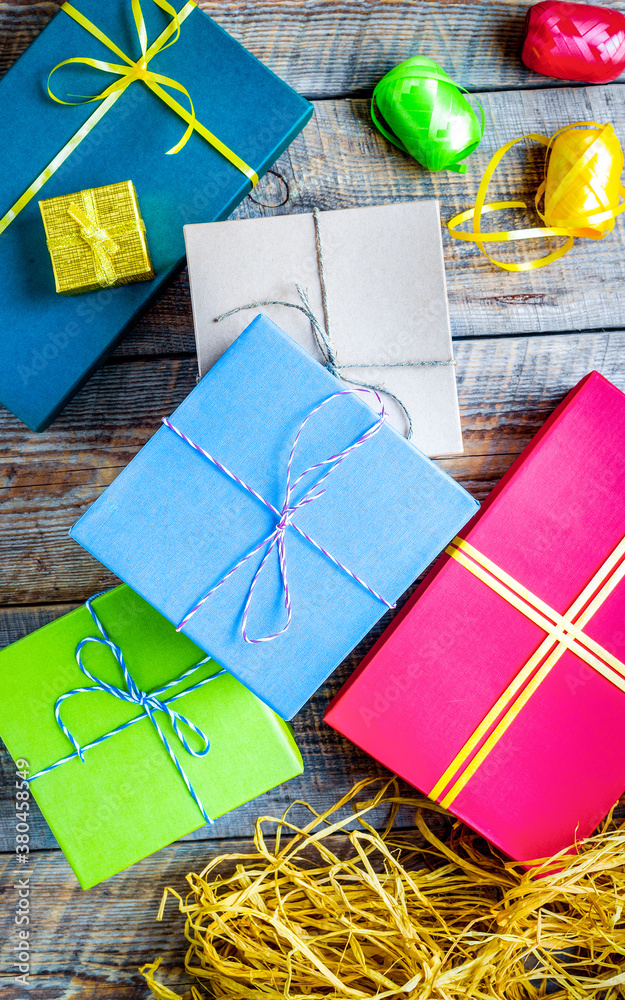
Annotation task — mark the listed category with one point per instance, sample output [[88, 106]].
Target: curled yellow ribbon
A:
[[582, 192], [98, 239], [128, 72]]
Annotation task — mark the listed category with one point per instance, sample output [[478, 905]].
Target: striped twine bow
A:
[[150, 702], [277, 538]]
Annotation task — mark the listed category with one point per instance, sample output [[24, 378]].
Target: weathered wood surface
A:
[[331, 762], [96, 941], [87, 945], [513, 381], [507, 387], [341, 160], [522, 342], [329, 47]]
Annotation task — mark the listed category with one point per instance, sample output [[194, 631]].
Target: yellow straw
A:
[[335, 909]]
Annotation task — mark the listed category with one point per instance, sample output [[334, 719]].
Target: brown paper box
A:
[[387, 300]]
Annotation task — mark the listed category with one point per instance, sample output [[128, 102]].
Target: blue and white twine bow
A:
[[284, 516], [150, 701]]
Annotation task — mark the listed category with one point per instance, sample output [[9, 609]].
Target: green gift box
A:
[[146, 784]]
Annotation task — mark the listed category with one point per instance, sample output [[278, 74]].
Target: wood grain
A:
[[522, 342], [341, 161], [344, 47], [90, 944], [338, 47], [87, 945], [507, 386]]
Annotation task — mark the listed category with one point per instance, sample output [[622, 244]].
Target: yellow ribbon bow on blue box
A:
[[102, 96], [131, 71]]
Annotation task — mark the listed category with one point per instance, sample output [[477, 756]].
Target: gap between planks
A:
[[506, 390], [341, 161], [326, 48]]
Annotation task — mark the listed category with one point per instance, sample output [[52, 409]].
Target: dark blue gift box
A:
[[52, 343]]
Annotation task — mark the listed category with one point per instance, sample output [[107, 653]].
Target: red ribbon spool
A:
[[574, 41]]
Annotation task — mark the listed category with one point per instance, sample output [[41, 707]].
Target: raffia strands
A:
[[335, 909]]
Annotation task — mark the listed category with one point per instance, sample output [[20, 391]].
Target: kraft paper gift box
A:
[[174, 525], [126, 799], [499, 689], [386, 300], [51, 343]]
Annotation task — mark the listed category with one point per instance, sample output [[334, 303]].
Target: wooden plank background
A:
[[334, 48], [521, 342]]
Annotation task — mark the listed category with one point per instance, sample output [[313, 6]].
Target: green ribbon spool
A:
[[423, 112]]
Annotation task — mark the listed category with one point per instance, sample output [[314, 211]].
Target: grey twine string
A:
[[323, 336]]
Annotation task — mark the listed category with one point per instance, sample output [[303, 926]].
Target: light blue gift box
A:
[[172, 525]]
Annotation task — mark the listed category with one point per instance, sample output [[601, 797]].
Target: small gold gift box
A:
[[96, 239]]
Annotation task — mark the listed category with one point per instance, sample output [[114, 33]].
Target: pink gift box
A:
[[499, 689]]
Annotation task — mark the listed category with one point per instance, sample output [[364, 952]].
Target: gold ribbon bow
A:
[[129, 72], [98, 238], [563, 631]]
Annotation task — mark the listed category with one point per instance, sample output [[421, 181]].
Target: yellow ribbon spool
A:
[[582, 192]]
